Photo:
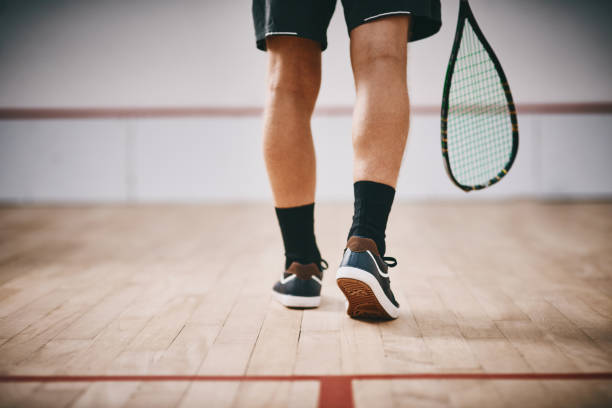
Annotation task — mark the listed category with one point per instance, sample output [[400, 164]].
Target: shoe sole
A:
[[366, 299], [305, 302]]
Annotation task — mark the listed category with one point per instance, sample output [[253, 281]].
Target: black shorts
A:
[[310, 18]]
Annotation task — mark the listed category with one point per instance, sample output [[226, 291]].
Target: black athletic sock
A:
[[297, 228], [372, 206]]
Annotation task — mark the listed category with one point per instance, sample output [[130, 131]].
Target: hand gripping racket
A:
[[479, 126]]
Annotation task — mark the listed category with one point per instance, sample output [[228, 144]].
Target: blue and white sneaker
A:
[[364, 279], [300, 285]]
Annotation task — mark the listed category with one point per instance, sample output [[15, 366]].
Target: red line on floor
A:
[[347, 377], [335, 390]]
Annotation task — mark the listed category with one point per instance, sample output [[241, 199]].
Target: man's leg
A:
[[294, 77], [380, 129], [380, 121]]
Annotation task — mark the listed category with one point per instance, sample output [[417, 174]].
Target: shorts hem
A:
[[261, 39], [421, 26]]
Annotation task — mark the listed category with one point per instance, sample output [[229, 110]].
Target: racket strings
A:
[[479, 129]]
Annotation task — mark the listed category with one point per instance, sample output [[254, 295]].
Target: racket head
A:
[[479, 130]]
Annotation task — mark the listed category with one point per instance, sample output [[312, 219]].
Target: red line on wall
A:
[[250, 111], [335, 390]]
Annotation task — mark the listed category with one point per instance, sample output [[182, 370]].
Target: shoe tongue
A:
[[361, 244]]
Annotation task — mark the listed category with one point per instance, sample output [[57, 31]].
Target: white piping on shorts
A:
[[387, 14], [280, 33]]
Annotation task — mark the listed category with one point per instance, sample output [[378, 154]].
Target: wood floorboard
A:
[[519, 287]]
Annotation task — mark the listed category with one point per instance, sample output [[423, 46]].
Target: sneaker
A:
[[364, 279], [300, 285]]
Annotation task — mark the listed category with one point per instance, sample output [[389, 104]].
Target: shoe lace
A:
[[390, 261]]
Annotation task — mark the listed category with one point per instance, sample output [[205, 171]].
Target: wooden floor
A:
[[138, 290]]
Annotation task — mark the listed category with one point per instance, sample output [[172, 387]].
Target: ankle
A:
[[297, 228], [372, 207]]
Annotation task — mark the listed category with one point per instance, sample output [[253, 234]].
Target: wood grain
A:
[[521, 287]]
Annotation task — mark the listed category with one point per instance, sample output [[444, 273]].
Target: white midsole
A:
[[350, 272], [297, 301]]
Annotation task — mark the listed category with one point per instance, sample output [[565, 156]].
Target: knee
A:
[[382, 62], [376, 58], [299, 82], [294, 69], [380, 45]]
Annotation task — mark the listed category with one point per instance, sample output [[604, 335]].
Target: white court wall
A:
[[187, 52], [216, 159], [201, 53]]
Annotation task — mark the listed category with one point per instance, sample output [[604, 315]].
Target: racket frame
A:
[[465, 13]]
